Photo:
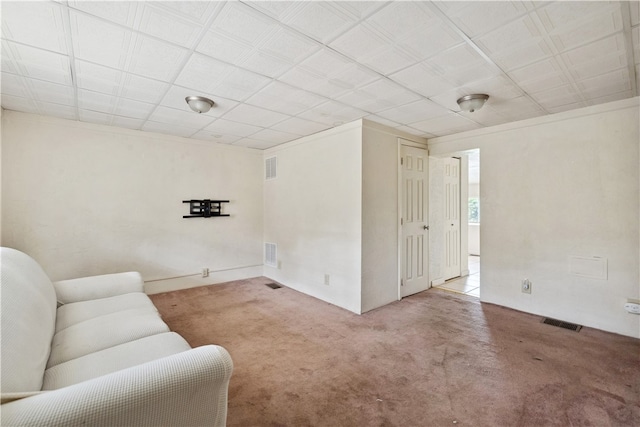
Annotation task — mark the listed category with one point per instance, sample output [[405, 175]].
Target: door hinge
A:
[[401, 221], [401, 160], [401, 282]]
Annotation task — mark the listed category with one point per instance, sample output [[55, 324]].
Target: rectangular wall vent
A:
[[591, 267], [270, 167], [271, 254], [561, 324]]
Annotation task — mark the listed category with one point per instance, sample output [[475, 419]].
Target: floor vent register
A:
[[561, 324]]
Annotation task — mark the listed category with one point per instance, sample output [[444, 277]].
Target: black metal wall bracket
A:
[[205, 208]]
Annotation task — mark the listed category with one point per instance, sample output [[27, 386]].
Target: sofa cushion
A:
[[28, 321], [103, 332], [96, 287], [113, 359], [70, 314]]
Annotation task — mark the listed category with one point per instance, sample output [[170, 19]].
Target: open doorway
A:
[[474, 222], [467, 281]]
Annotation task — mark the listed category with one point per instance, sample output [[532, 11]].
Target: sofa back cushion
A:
[[28, 317]]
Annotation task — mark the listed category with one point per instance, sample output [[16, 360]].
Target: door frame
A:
[[460, 201], [464, 211], [401, 142]]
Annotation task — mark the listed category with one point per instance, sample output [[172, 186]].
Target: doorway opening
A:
[[466, 280]]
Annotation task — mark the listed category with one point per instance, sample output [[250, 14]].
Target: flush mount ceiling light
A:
[[473, 102], [199, 104]]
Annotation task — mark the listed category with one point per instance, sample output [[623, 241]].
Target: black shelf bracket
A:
[[205, 208]]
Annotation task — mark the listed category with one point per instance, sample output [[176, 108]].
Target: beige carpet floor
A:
[[432, 359]]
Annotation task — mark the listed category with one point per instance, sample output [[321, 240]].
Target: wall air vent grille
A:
[[271, 254], [561, 324], [271, 167]]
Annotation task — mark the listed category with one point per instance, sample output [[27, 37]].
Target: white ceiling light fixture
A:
[[473, 102], [199, 104]]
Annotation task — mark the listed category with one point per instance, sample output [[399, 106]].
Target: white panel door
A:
[[451, 266], [414, 241]]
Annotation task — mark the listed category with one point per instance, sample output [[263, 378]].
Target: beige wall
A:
[[436, 221], [88, 199], [380, 214], [474, 228], [474, 190], [555, 187], [333, 210], [312, 212]]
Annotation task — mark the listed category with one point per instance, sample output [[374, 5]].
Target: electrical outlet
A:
[[632, 306], [526, 286], [327, 279], [205, 272]]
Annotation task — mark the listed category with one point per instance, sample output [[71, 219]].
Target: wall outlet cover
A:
[[632, 307]]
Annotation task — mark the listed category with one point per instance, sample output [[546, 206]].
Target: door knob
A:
[[425, 227]]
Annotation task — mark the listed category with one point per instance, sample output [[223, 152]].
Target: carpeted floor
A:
[[432, 359]]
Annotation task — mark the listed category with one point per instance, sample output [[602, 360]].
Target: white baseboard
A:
[[437, 282], [193, 281]]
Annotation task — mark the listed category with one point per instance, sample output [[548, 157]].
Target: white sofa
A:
[[94, 351]]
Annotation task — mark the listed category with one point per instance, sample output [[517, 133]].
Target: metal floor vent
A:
[[273, 285], [561, 324]]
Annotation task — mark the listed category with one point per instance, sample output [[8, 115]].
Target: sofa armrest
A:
[[95, 287], [186, 389]]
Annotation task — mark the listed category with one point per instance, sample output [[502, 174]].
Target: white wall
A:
[[554, 187], [2, 113], [464, 215], [313, 212], [474, 228], [436, 220], [88, 199], [380, 214], [379, 218], [474, 239], [333, 209], [474, 190]]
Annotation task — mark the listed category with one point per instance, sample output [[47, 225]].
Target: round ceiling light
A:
[[473, 102], [199, 104]]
